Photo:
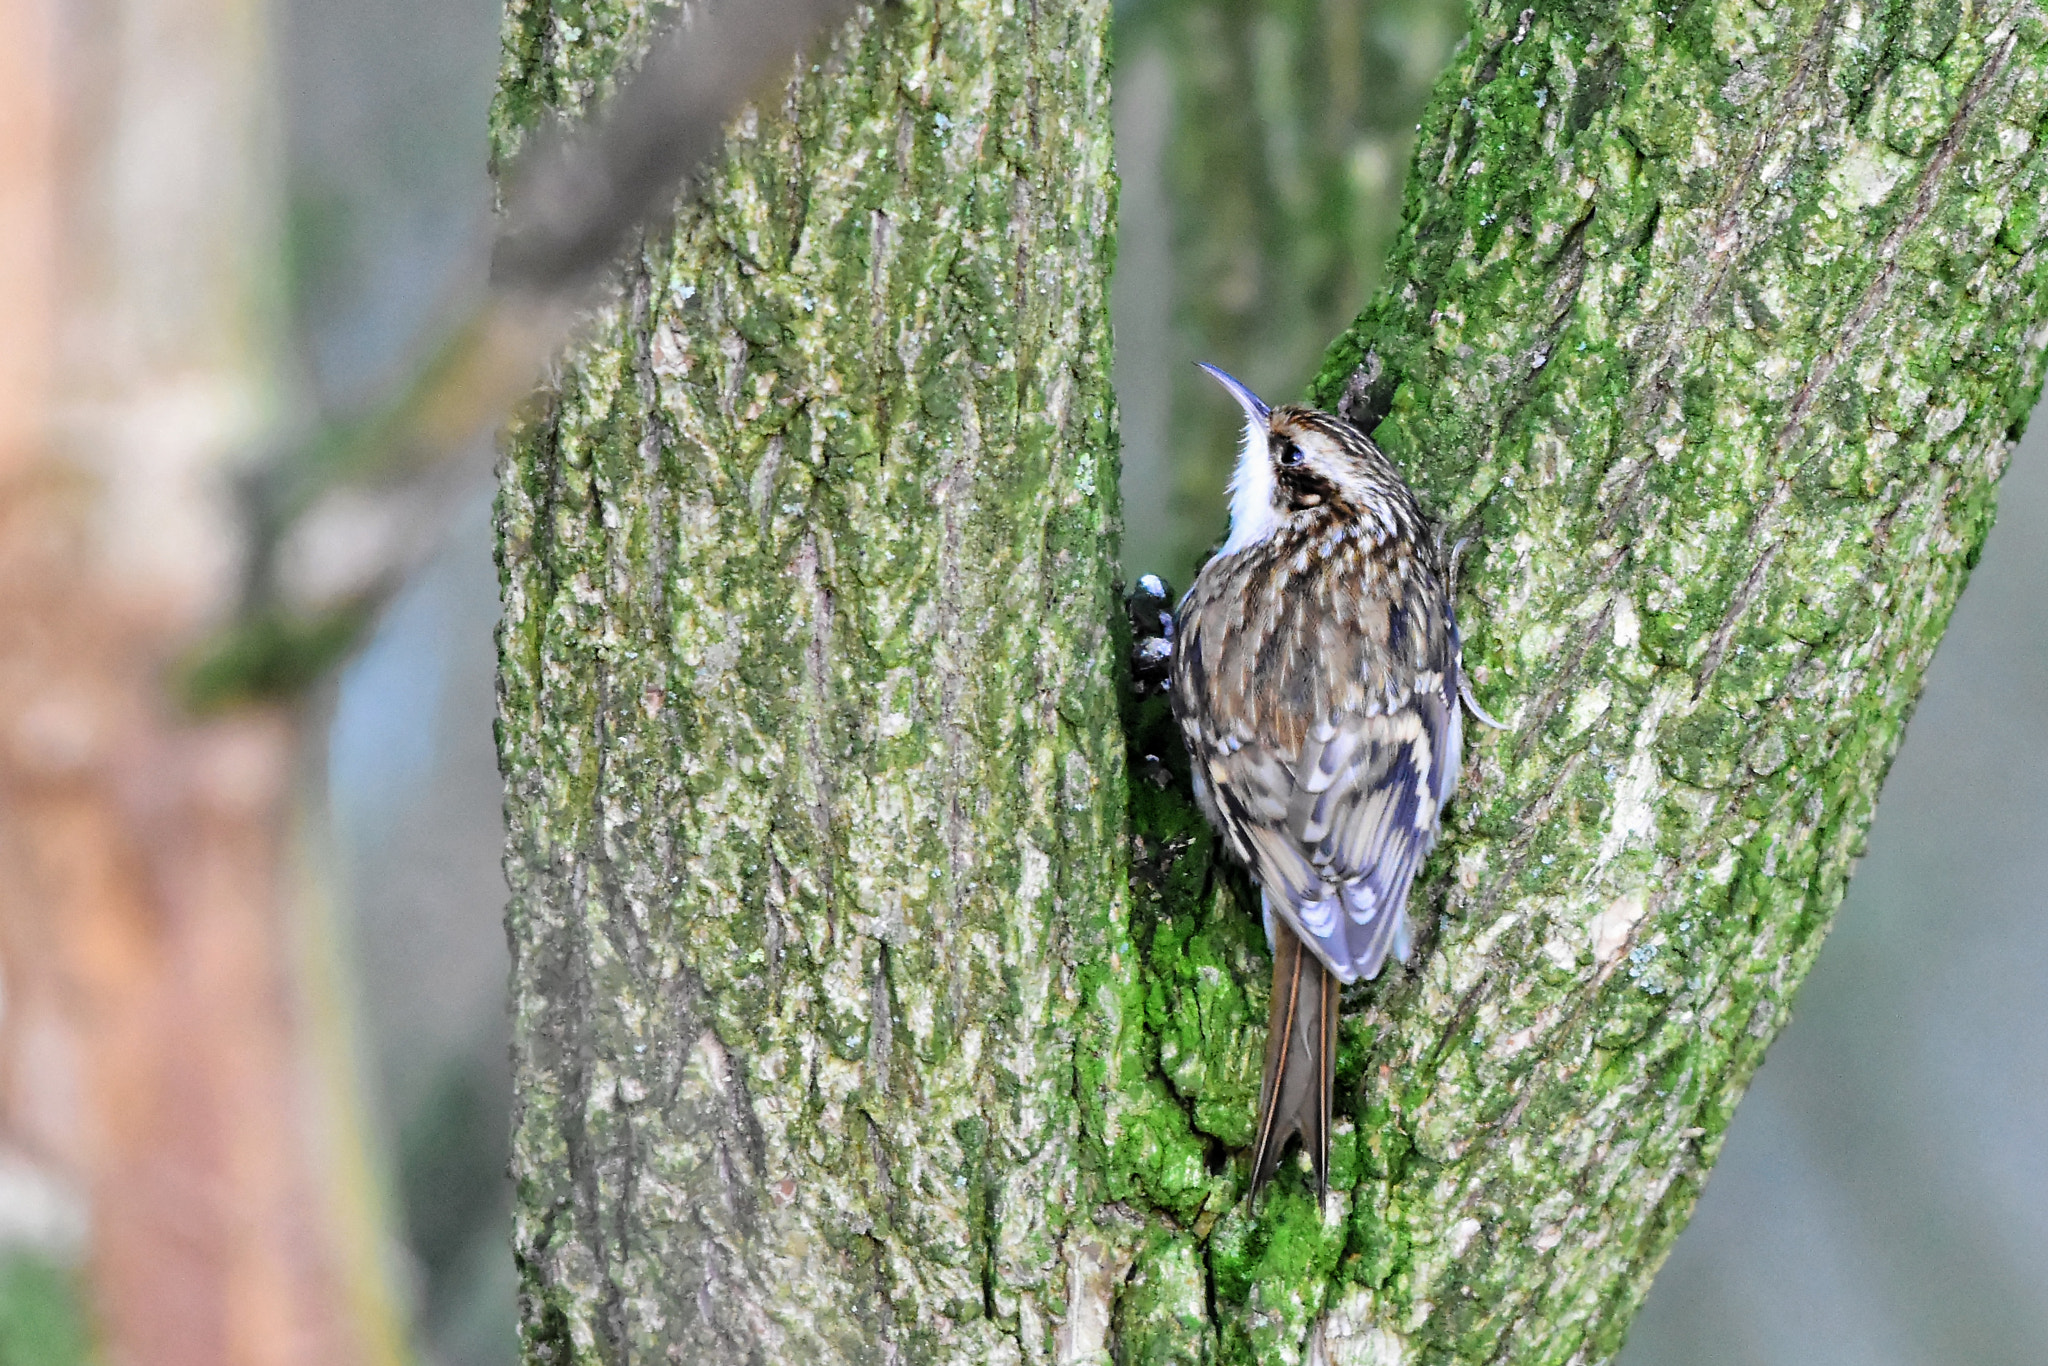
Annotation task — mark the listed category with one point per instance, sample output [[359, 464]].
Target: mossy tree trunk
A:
[[866, 1011], [810, 719]]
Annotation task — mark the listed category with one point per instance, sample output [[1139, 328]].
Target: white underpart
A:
[[1252, 515]]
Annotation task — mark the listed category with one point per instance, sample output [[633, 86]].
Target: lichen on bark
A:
[[1714, 322], [865, 1010], [809, 713]]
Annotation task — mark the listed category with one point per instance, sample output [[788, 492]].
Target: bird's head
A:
[[1300, 464]]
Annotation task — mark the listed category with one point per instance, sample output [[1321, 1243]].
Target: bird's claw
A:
[[1150, 606]]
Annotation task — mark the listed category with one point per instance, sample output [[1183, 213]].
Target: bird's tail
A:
[[1301, 1061]]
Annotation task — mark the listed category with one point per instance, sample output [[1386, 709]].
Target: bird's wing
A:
[[1363, 817], [1329, 747]]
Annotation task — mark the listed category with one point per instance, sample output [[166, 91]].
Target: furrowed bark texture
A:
[[809, 714], [841, 1034], [1716, 324]]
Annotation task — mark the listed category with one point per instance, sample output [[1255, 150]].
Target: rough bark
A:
[[1716, 326], [809, 717], [841, 1034]]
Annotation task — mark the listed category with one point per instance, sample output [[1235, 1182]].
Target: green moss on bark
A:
[[809, 714], [1712, 324]]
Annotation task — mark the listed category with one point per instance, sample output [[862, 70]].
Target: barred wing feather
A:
[[1335, 838]]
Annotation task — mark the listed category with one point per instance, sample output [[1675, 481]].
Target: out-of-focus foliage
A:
[[42, 1322]]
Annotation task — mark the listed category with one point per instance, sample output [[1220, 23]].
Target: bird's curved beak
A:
[[1255, 408]]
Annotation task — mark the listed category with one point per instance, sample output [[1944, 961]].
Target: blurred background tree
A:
[[178, 1105], [1879, 1198]]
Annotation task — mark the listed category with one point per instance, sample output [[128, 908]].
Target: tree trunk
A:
[[867, 1012], [810, 726]]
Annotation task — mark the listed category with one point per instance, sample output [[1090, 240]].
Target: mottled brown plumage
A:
[[1316, 681]]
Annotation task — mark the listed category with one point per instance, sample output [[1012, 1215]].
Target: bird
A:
[[1316, 679]]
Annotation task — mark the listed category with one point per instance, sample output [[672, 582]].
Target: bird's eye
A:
[[1290, 454]]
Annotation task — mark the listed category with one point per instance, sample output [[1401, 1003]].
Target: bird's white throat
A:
[[1252, 515]]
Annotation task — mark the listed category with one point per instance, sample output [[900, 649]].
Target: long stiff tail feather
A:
[[1301, 1062]]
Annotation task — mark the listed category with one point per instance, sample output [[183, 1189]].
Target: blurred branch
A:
[[339, 521], [574, 202]]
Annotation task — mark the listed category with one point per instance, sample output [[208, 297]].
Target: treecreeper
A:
[[1316, 678]]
